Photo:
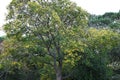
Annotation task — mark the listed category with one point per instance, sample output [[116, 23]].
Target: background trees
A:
[[94, 62], [109, 19]]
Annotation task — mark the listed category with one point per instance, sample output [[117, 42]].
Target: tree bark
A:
[[58, 70], [59, 73]]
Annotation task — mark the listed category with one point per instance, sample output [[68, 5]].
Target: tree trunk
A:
[[59, 74]]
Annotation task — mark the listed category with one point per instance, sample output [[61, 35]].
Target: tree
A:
[[94, 63], [1, 46], [48, 26], [108, 19]]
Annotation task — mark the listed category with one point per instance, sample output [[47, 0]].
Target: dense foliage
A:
[[109, 19], [51, 40]]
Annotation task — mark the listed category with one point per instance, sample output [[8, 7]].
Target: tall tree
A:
[[49, 25]]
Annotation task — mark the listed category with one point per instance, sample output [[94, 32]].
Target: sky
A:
[[3, 11], [97, 7]]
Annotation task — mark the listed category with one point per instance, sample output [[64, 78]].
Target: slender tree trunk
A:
[[58, 70], [59, 73]]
